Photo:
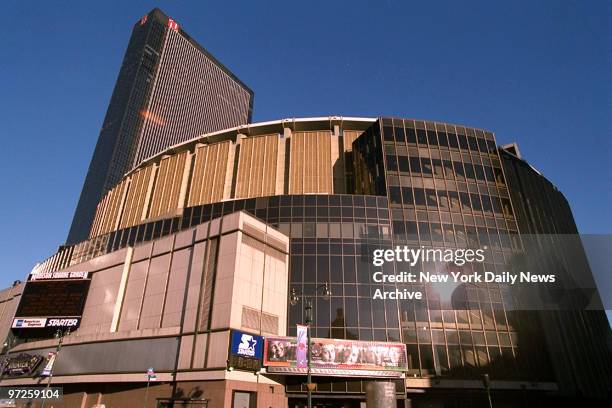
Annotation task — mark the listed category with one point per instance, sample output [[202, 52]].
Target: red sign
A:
[[173, 25]]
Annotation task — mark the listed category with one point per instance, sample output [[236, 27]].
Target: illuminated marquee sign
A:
[[337, 357], [52, 300]]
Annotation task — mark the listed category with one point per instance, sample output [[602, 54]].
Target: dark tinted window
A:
[[410, 135], [419, 196], [403, 163], [415, 165], [431, 138], [395, 195], [388, 134], [462, 141], [452, 140], [400, 137], [421, 136], [407, 195], [443, 139], [391, 162], [425, 165]]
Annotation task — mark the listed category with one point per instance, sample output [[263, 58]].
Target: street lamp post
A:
[[486, 381], [308, 320], [59, 334]]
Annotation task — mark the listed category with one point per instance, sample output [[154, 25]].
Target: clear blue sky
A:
[[535, 72]]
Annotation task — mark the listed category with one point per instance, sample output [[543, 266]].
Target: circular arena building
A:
[[204, 262]]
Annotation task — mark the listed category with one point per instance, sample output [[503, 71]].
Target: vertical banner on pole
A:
[[301, 353], [46, 372]]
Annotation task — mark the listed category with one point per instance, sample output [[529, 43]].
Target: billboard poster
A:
[[337, 357]]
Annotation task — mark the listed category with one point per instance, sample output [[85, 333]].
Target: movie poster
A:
[[337, 353]]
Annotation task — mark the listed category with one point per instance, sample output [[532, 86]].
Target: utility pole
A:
[[309, 385], [150, 376], [308, 320], [59, 334], [486, 381]]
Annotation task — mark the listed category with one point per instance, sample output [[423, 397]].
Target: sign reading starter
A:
[[52, 300]]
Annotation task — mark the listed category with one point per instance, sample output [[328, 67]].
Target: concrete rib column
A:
[[149, 194], [127, 263], [281, 162], [122, 205], [337, 170], [185, 181]]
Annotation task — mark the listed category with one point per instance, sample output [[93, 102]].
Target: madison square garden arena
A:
[[341, 261], [204, 262]]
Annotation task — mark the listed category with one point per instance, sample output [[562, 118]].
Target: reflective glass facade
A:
[[446, 189], [542, 210]]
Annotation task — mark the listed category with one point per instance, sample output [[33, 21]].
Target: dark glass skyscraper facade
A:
[[169, 90], [543, 212]]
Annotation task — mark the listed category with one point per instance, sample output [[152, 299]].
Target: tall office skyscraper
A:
[[169, 90]]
